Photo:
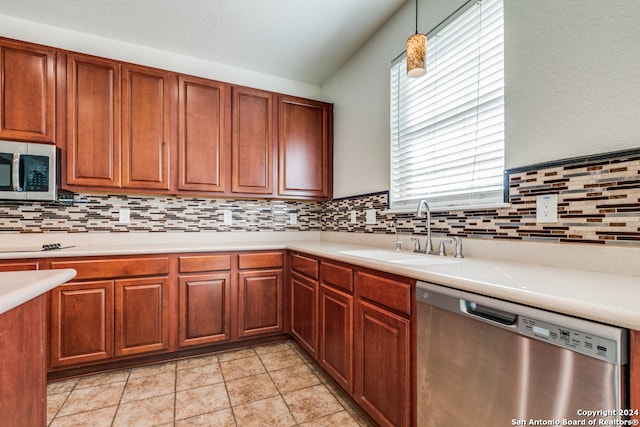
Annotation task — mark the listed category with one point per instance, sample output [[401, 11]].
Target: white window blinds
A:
[[447, 128]]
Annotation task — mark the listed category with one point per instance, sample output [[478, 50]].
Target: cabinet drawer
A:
[[113, 268], [390, 293], [337, 275], [260, 260], [23, 265], [199, 263], [305, 265]]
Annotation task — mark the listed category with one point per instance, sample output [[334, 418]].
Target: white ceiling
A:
[[302, 40]]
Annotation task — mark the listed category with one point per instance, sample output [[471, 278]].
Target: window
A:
[[447, 127]]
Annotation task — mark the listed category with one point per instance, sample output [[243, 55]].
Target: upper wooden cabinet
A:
[[93, 122], [203, 135], [27, 92], [252, 141], [118, 125], [145, 128], [305, 148]]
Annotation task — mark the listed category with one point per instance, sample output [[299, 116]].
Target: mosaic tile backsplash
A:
[[598, 202]]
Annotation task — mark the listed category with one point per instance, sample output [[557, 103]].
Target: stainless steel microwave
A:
[[28, 171]]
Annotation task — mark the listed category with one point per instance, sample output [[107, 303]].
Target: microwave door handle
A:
[[15, 178]]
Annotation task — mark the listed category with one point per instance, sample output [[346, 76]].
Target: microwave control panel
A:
[[36, 173]]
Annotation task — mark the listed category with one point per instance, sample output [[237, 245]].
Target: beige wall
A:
[[570, 75]]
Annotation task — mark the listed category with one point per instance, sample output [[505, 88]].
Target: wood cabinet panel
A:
[[260, 302], [22, 265], [205, 309], [23, 375], [145, 128], [335, 335], [141, 316], [93, 121], [391, 293], [339, 276], [305, 148], [634, 371], [252, 141], [305, 265], [27, 92], [383, 364], [260, 260], [203, 135], [114, 267], [81, 323], [304, 292], [201, 263]]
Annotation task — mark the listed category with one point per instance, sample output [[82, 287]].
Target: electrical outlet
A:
[[124, 216], [547, 208], [228, 217], [354, 219], [371, 216], [293, 218]]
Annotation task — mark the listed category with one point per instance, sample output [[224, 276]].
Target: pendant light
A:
[[416, 52]]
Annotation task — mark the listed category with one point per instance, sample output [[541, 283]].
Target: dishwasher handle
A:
[[488, 313]]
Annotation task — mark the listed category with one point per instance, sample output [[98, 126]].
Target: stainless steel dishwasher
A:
[[487, 362]]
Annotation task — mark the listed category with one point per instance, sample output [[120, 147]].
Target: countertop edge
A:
[[19, 287]]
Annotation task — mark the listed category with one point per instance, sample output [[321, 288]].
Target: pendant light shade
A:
[[416, 52], [416, 55]]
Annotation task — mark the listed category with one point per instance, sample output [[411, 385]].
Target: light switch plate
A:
[[124, 216], [547, 208], [228, 217], [371, 216], [354, 218]]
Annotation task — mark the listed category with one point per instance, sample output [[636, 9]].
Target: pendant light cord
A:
[[416, 16]]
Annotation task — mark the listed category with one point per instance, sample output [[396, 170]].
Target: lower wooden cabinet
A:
[[304, 292], [141, 316], [23, 379], [260, 305], [383, 364], [204, 309], [335, 335], [81, 323]]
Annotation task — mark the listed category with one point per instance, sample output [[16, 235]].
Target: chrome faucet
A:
[[423, 204], [398, 242]]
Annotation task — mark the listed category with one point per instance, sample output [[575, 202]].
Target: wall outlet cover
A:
[[547, 208], [228, 217], [371, 216], [124, 216], [354, 218], [293, 218]]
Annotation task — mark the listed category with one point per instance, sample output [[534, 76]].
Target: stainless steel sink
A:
[[403, 258]]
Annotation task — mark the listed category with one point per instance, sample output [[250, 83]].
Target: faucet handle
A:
[[416, 244], [458, 247], [441, 247]]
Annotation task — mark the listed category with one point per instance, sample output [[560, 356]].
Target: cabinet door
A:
[[142, 315], [305, 148], [27, 92], [335, 335], [383, 364], [260, 307], [252, 141], [203, 141], [23, 373], [81, 323], [93, 122], [145, 128], [303, 310], [205, 309]]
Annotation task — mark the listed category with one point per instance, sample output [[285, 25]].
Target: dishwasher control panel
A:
[[571, 339]]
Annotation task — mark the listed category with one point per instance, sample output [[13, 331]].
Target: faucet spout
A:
[[424, 206]]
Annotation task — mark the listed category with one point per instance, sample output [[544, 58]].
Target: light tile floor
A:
[[270, 385]]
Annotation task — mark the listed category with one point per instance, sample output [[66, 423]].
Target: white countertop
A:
[[18, 287], [604, 297]]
